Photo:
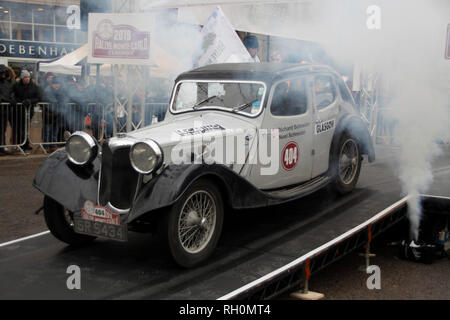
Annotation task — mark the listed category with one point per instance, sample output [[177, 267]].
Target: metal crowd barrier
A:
[[95, 120], [48, 125], [58, 121], [152, 113], [14, 124], [155, 112]]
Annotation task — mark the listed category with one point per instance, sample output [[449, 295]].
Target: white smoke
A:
[[411, 51], [407, 51], [422, 121]]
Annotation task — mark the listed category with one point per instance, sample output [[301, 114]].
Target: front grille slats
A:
[[105, 176], [118, 178]]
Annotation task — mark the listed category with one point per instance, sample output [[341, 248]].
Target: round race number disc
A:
[[289, 156]]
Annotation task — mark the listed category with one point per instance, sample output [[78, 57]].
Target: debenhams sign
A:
[[36, 50]]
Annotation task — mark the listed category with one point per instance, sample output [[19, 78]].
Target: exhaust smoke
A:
[[402, 40]]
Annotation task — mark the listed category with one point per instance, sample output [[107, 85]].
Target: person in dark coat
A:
[[252, 45], [6, 97], [47, 80], [103, 96], [53, 116], [80, 97], [28, 94]]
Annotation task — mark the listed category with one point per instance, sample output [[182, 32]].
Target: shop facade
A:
[[38, 30]]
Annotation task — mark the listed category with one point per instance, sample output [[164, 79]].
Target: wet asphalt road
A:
[[400, 279], [19, 199]]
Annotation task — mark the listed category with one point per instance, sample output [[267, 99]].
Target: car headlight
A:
[[81, 148], [146, 156]]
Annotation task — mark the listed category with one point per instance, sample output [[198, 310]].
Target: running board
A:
[[301, 190]]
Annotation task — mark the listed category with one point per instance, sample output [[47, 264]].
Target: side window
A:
[[290, 98], [344, 92], [324, 91]]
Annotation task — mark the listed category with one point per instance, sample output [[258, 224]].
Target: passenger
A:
[[278, 106], [289, 99]]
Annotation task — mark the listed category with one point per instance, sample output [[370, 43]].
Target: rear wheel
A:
[[346, 164], [193, 225], [59, 221]]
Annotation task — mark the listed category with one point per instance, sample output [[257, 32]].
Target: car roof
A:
[[260, 71]]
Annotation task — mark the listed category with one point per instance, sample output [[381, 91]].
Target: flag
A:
[[221, 44]]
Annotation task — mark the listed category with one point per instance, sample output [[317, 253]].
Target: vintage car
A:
[[235, 136]]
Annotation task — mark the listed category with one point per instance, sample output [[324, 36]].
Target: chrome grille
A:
[[118, 180]]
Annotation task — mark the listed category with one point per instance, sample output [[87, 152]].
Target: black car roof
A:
[[259, 71]]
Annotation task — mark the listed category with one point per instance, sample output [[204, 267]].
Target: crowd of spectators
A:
[[72, 104], [68, 104]]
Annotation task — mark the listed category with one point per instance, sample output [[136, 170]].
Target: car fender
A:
[[167, 187], [355, 127], [66, 183]]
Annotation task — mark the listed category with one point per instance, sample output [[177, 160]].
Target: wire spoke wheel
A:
[[197, 221], [348, 161]]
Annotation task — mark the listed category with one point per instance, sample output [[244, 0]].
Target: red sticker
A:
[[289, 156], [98, 213]]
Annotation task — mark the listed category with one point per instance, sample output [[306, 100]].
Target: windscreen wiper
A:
[[243, 106], [198, 104]]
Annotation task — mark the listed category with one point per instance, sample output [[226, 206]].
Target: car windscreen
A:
[[241, 97]]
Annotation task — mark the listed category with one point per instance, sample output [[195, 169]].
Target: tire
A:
[[58, 220], [346, 164], [185, 250]]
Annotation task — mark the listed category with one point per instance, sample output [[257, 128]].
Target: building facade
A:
[[38, 30]]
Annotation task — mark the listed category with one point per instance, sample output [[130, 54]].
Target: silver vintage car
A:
[[235, 136]]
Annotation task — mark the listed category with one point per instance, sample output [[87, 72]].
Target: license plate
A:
[[101, 222], [100, 229]]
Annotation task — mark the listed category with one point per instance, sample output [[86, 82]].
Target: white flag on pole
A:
[[221, 44]]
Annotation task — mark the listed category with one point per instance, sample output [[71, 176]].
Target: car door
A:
[[287, 126], [326, 105]]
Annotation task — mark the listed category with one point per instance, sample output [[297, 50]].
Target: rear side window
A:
[[324, 91], [290, 98]]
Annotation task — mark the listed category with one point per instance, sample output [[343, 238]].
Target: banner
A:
[[221, 44], [119, 38]]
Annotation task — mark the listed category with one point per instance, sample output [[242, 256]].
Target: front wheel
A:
[[346, 164], [193, 224], [59, 221]]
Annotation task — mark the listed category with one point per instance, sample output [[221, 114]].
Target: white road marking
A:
[[23, 239]]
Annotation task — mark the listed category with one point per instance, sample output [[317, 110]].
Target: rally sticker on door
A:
[[324, 126], [289, 156]]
